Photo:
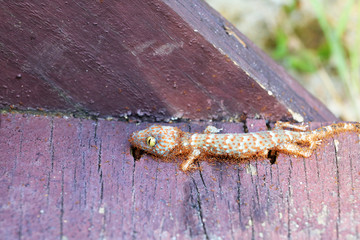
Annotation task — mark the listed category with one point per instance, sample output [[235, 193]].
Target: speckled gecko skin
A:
[[168, 142]]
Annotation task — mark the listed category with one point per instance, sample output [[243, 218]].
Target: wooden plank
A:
[[75, 178], [160, 59]]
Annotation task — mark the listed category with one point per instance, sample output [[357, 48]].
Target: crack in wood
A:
[[256, 183], [202, 178], [338, 218], [20, 231], [156, 179], [353, 189], [133, 231], [83, 171], [231, 222], [308, 198], [200, 211], [255, 204], [103, 224], [239, 199], [19, 157], [288, 201], [100, 171], [62, 203], [51, 149]]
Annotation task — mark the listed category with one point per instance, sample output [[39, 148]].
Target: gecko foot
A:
[[286, 125], [212, 130], [189, 163], [186, 166], [315, 144]]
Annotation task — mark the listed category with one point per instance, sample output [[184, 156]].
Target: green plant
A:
[[346, 60]]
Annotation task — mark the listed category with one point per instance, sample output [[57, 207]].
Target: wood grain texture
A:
[[145, 60], [75, 179]]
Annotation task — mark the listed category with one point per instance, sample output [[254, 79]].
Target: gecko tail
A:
[[336, 128]]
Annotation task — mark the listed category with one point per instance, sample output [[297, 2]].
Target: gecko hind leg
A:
[[287, 125], [294, 149]]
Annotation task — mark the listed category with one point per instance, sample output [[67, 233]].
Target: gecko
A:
[[167, 142]]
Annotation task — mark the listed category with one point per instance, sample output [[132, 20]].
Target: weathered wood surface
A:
[[149, 60], [75, 179]]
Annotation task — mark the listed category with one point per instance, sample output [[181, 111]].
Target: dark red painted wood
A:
[[75, 179], [157, 60]]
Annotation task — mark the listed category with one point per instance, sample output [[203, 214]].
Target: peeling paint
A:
[[251, 170], [321, 218], [167, 48], [101, 210], [336, 143], [141, 47]]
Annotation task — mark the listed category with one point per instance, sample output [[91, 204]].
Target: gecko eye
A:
[[150, 141]]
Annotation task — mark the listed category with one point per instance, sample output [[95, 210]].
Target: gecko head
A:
[[156, 140]]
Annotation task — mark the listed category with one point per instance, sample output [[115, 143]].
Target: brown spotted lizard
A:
[[169, 142]]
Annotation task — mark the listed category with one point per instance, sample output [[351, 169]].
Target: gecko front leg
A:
[[195, 153], [189, 163]]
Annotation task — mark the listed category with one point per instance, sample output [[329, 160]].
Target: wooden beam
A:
[[151, 60], [75, 178]]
